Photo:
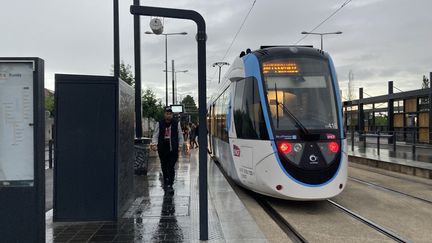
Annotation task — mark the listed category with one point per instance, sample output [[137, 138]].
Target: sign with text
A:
[[16, 124]]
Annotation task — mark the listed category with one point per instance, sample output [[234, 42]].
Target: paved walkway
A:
[[156, 216]]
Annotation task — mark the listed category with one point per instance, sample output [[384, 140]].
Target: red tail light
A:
[[285, 147], [333, 147]]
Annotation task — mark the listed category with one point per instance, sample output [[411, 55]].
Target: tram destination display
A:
[[16, 124]]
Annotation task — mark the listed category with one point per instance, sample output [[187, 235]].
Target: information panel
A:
[[16, 124]]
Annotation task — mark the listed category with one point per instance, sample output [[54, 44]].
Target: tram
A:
[[275, 124]]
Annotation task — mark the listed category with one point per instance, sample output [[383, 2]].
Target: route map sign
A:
[[16, 124]]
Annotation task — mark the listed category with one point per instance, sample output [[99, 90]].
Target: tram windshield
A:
[[300, 93]]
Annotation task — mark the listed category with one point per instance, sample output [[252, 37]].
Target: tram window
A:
[[248, 116], [304, 86]]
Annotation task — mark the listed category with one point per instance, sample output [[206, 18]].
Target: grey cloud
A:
[[382, 40]]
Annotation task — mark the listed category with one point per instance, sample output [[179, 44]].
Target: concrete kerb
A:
[[392, 166]]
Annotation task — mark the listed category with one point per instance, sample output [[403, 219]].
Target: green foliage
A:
[[381, 121], [190, 107], [151, 107], [126, 74], [49, 104]]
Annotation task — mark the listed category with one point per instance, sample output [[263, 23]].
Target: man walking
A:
[[168, 141]]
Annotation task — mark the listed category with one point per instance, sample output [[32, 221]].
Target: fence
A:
[[389, 139]]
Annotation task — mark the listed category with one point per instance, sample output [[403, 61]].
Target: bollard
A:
[[50, 153], [394, 140], [378, 142], [414, 143], [352, 139]]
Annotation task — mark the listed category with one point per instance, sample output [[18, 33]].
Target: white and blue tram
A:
[[275, 124]]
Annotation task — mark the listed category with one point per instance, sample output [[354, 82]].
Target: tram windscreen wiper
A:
[[293, 117]]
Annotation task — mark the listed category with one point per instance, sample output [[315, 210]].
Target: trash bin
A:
[[142, 148]]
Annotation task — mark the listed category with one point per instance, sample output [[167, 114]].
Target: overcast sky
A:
[[382, 39]]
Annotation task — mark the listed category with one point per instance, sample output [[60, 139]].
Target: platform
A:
[[400, 161], [156, 216]]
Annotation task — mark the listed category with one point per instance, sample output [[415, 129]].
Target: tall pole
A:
[[220, 67], [116, 39], [201, 38], [321, 35], [166, 69], [220, 64], [173, 87], [321, 42], [137, 51]]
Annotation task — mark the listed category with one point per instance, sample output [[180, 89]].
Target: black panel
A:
[[312, 173], [22, 211], [91, 164]]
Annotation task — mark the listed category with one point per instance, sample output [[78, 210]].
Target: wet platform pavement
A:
[[400, 161], [168, 216]]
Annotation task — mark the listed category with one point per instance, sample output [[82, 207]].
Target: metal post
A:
[[352, 138], [321, 42], [116, 39], [378, 142], [220, 67], [137, 55], [364, 139], [166, 69], [430, 108], [173, 85], [394, 140], [202, 99], [414, 142], [360, 112], [50, 153], [373, 126], [390, 110], [202, 137]]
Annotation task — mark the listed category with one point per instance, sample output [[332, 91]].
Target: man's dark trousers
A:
[[168, 160]]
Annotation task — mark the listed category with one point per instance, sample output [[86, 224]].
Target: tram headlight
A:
[[298, 147], [285, 147], [333, 147]]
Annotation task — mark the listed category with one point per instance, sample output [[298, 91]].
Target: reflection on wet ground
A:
[[421, 156], [156, 215]]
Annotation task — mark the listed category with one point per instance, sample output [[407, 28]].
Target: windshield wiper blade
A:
[[277, 108], [293, 117]]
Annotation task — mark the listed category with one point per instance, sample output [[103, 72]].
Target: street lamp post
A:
[[166, 58], [175, 89], [220, 64], [321, 35]]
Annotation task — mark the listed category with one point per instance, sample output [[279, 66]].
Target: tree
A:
[[126, 73], [190, 107], [151, 107], [49, 103]]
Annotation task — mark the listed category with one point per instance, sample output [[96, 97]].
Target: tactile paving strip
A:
[[215, 233]]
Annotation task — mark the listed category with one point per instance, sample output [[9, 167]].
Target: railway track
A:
[[296, 236], [289, 230], [371, 184], [369, 223]]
